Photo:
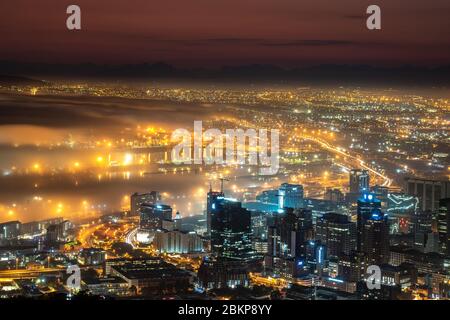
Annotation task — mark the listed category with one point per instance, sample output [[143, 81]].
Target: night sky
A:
[[212, 33]]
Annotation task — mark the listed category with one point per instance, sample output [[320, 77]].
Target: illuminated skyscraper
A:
[[372, 230], [138, 199], [230, 230], [443, 220], [287, 239], [337, 233], [211, 198]]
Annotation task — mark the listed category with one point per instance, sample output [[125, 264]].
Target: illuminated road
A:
[[85, 235], [387, 181], [130, 237], [27, 274], [258, 279]]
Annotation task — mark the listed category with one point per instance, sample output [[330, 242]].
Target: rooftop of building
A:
[[97, 281], [150, 271]]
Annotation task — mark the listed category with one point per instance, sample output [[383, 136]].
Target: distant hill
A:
[[7, 80], [320, 74]]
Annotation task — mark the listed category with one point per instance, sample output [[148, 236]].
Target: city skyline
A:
[[238, 154]]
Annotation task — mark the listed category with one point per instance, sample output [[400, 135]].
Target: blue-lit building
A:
[[268, 197], [290, 196], [316, 255], [372, 230], [210, 199]]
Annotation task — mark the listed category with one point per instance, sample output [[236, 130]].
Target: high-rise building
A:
[[425, 237], [290, 196], [443, 221], [367, 204], [231, 233], [153, 215], [372, 230], [429, 192], [211, 198], [287, 238], [337, 233], [138, 199], [359, 181]]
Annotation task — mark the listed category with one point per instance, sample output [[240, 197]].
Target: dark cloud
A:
[[311, 43]]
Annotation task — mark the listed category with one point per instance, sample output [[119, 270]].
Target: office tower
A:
[[211, 198], [337, 233], [138, 199], [367, 204], [259, 225], [231, 234], [334, 195], [153, 215], [290, 196], [372, 230], [443, 221], [359, 181], [350, 268], [429, 192], [425, 238], [287, 239], [305, 219]]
